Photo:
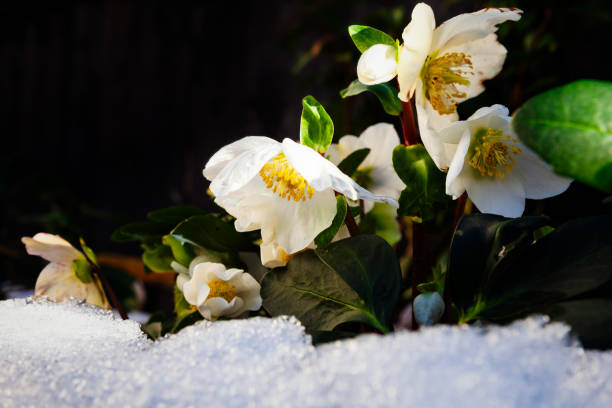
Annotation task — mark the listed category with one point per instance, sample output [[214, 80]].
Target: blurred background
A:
[[111, 109]]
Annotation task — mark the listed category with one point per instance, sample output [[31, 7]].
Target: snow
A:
[[77, 355]]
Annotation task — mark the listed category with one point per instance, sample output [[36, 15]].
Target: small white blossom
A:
[[58, 279], [495, 169], [217, 291], [376, 172]]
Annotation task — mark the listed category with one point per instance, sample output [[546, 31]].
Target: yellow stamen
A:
[[284, 180], [219, 288], [492, 152], [440, 78]]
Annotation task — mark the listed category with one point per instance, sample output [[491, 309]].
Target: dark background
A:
[[111, 109]]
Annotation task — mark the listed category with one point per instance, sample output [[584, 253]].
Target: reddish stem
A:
[[111, 294], [459, 210], [349, 220]]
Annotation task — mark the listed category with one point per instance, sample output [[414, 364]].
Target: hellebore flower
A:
[[217, 291], [444, 66], [376, 172], [285, 189], [58, 279], [494, 167]]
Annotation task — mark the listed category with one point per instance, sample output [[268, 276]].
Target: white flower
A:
[[494, 167], [376, 172], [217, 291], [58, 279], [444, 66], [285, 189]]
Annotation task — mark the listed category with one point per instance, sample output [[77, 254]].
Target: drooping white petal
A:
[[377, 64], [203, 292], [417, 37], [239, 171], [454, 182], [430, 122], [215, 307], [537, 176], [272, 255], [346, 145], [59, 282], [227, 153], [181, 279], [51, 247], [471, 26], [495, 195], [493, 110], [323, 174], [227, 274]]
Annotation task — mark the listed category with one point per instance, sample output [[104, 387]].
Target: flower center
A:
[[440, 79], [222, 289], [492, 152], [284, 180]]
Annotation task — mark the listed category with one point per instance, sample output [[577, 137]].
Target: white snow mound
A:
[[76, 355]]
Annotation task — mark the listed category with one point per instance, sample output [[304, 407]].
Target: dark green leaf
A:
[[141, 231], [174, 215], [316, 127], [571, 128], [89, 253], [208, 231], [590, 319], [350, 163], [153, 330], [327, 336], [186, 320], [325, 237], [364, 37], [158, 258], [382, 221], [82, 270], [479, 243], [425, 183], [352, 280], [386, 94]]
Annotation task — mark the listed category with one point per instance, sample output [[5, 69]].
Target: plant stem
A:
[[408, 127], [459, 210], [349, 220], [110, 292]]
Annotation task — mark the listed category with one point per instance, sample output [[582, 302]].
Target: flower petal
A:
[[215, 307], [537, 176], [239, 171], [471, 26], [494, 195], [430, 122], [272, 255], [346, 145], [454, 182], [228, 274], [381, 139], [227, 153], [377, 64], [322, 174], [53, 248], [417, 37]]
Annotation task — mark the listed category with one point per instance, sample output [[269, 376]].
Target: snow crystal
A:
[[78, 355]]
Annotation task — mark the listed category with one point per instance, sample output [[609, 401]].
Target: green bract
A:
[[316, 127], [424, 182], [325, 237], [364, 37], [82, 270], [571, 128], [386, 94], [352, 280]]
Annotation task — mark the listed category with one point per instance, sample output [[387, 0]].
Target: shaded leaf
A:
[[158, 258], [175, 214], [386, 94], [355, 279], [571, 128], [351, 162], [141, 231], [316, 127], [208, 231], [382, 221]]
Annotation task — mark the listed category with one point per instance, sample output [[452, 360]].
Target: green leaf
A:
[[82, 270], [590, 320], [353, 280], [153, 330], [89, 253], [174, 215], [141, 231], [181, 251], [364, 37], [158, 258], [382, 221], [479, 243], [186, 314], [425, 183], [351, 162], [316, 127], [386, 94], [571, 128], [325, 237], [208, 231]]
